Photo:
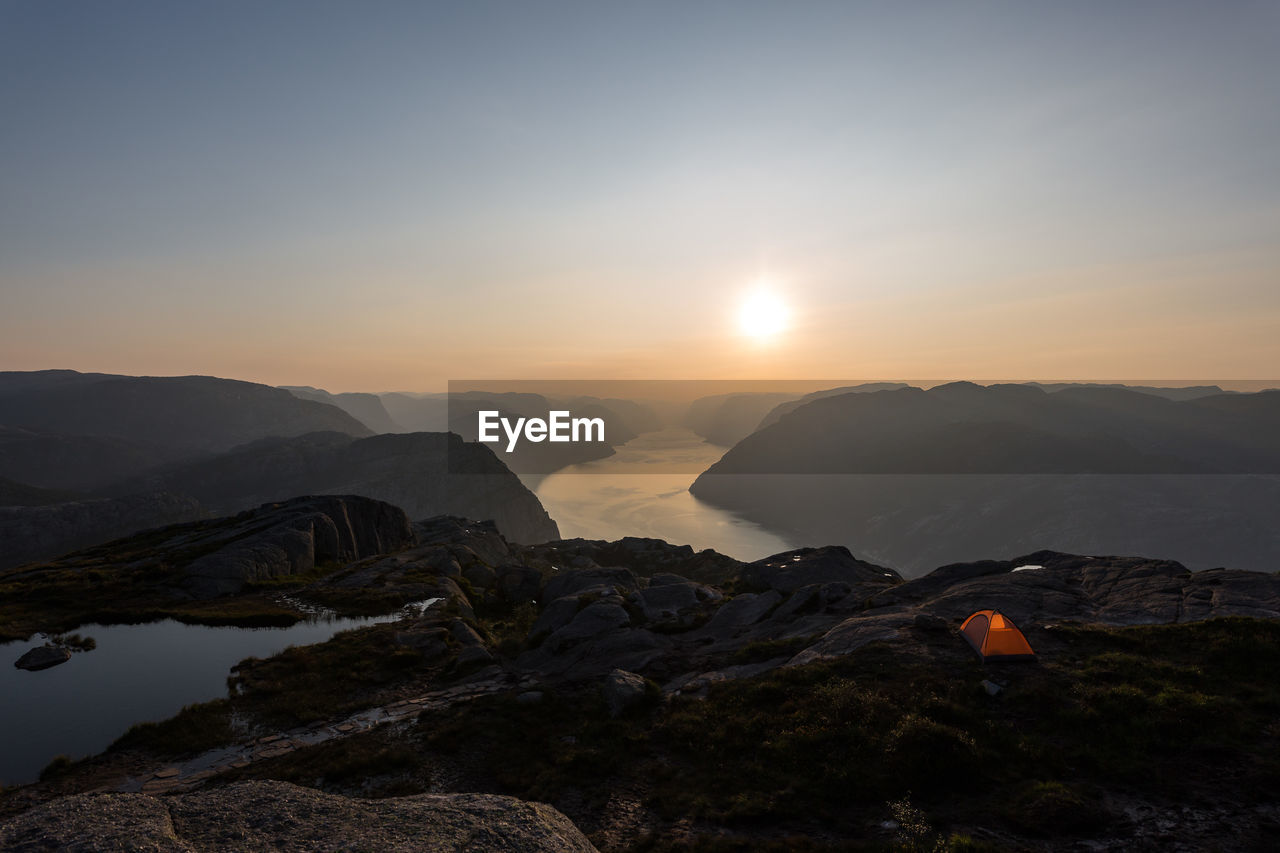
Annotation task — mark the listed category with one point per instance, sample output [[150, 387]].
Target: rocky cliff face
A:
[[282, 817], [292, 538], [31, 533]]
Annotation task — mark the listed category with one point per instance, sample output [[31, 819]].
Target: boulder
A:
[[517, 583], [43, 657], [555, 616], [791, 570], [579, 580], [591, 621], [622, 691], [279, 816], [464, 633], [675, 603], [740, 612]]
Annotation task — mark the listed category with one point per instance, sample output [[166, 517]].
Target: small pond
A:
[[137, 673]]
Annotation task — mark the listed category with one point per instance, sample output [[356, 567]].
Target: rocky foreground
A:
[[661, 697], [278, 816]]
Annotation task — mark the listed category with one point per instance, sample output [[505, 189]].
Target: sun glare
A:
[[762, 315]]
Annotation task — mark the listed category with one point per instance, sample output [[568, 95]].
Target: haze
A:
[[372, 196]]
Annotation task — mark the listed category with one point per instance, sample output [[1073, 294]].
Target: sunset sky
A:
[[381, 196]]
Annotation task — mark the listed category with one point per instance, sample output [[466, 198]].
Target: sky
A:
[[389, 195]]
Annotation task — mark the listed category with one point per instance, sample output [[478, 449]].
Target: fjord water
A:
[[137, 673], [643, 490]]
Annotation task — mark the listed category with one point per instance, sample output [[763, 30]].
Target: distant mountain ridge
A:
[[911, 477], [425, 474], [63, 429], [964, 428], [366, 408], [89, 457]]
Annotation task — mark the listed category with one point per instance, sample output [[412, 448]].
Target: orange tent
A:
[[995, 638]]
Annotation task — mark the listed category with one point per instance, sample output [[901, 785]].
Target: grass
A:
[[815, 757], [303, 684], [1183, 713], [192, 730]]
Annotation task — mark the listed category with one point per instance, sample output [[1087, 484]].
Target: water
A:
[[137, 673], [643, 490]]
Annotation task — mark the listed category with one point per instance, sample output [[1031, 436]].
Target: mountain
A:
[[458, 411], [366, 408], [791, 405], [963, 428], [418, 412], [425, 474], [31, 533], [62, 429], [51, 460], [187, 413], [725, 419], [1189, 392], [13, 493], [911, 478]]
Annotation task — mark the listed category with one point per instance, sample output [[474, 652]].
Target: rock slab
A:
[[43, 657], [278, 816]]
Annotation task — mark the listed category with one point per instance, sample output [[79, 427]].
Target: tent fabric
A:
[[995, 638]]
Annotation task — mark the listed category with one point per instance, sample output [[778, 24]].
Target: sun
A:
[[762, 315]]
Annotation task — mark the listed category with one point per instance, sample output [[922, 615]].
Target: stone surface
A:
[[571, 582], [741, 611], [278, 816], [291, 538], [622, 691], [43, 657], [791, 570]]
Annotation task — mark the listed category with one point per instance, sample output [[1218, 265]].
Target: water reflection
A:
[[137, 673], [643, 490]]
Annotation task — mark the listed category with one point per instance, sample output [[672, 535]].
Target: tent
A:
[[995, 638]]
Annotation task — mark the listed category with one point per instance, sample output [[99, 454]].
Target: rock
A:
[[591, 621], [431, 642], [631, 649], [480, 576], [991, 687], [529, 697], [1107, 590], [555, 616], [464, 633], [580, 580], [812, 598], [928, 622], [473, 655], [43, 657], [279, 816], [739, 612], [645, 557], [291, 538], [791, 570], [517, 583], [623, 690], [854, 633], [675, 603]]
